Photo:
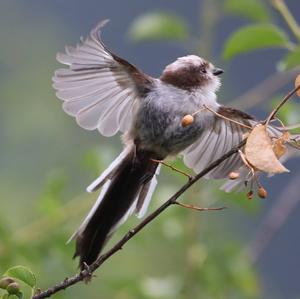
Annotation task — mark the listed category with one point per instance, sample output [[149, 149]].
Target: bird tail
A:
[[127, 186]]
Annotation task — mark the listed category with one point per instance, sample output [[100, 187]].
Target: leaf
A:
[[259, 151], [291, 60], [252, 9], [158, 26], [279, 147], [23, 274], [254, 37]]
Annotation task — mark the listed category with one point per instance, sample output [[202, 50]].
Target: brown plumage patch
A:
[[188, 77], [143, 82], [233, 113]]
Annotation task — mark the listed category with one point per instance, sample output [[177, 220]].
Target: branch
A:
[[86, 273], [278, 107]]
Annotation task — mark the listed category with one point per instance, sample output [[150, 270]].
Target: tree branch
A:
[[86, 273]]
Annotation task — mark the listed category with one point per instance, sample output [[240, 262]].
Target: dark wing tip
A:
[[235, 113]]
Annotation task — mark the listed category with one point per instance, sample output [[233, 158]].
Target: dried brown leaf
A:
[[279, 147], [259, 151]]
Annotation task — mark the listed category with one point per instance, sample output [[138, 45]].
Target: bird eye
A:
[[203, 70]]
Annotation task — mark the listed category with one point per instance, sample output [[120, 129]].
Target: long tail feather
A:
[[120, 193]]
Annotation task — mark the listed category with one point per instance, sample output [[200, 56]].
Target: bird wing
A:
[[99, 88], [215, 141]]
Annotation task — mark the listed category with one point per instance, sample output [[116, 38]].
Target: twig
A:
[[118, 246], [198, 111], [173, 168], [294, 144], [227, 118], [292, 127], [244, 159], [199, 209], [285, 99]]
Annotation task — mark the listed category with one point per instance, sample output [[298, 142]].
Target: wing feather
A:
[[100, 89], [215, 141]]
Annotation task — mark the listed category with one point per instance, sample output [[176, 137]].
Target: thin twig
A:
[[229, 119], [199, 209], [198, 111], [292, 127], [173, 168], [285, 99], [118, 246], [244, 159]]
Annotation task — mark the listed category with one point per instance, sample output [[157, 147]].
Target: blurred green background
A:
[[250, 250]]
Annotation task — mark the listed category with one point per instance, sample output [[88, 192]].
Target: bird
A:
[[105, 92]]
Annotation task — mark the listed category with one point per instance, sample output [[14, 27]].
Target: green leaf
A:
[[23, 274], [158, 26], [254, 37], [291, 60], [252, 9]]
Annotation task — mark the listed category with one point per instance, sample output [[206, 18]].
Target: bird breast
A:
[[158, 122]]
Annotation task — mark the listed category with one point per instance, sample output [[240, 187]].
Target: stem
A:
[[285, 99], [288, 17], [229, 119], [173, 168], [196, 208]]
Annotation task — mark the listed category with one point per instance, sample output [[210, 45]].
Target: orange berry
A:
[[187, 120], [250, 195], [262, 192]]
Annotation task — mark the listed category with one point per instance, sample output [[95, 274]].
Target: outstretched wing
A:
[[216, 141], [99, 88]]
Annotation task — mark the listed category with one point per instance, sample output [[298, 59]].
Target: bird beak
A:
[[217, 71]]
